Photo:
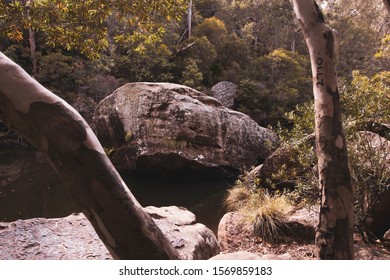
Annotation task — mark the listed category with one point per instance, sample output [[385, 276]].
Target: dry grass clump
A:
[[237, 197], [266, 213]]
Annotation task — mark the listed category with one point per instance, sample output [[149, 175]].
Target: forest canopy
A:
[[89, 48]]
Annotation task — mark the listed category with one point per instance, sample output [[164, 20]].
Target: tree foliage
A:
[[281, 82], [357, 23], [250, 43], [63, 22], [153, 64]]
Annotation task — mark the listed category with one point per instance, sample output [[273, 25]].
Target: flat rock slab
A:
[[67, 238], [73, 237]]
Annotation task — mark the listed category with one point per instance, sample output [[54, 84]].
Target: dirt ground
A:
[[288, 248]]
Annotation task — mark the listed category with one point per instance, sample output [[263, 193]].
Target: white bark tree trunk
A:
[[189, 20], [57, 130], [334, 235]]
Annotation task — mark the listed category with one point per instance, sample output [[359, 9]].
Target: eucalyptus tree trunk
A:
[[334, 236], [57, 130], [189, 20]]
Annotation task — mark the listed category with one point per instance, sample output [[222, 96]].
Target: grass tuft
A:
[[266, 213]]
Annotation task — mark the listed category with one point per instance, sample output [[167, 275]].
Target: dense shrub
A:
[[152, 65], [63, 74], [191, 76]]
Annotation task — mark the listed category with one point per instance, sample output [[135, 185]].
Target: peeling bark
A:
[[57, 130], [334, 236]]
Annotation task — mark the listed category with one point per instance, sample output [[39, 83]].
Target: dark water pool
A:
[[29, 188]]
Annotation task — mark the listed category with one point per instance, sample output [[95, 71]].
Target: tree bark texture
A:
[[334, 236], [57, 130]]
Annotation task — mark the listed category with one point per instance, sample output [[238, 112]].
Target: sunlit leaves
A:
[[14, 34], [367, 98], [82, 25], [384, 52]]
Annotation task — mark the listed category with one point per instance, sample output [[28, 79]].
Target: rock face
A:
[[225, 92], [169, 128], [74, 238]]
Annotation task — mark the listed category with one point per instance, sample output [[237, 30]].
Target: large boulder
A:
[[194, 241], [169, 128], [225, 92], [73, 237]]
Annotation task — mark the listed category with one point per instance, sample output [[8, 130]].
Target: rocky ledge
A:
[[73, 237]]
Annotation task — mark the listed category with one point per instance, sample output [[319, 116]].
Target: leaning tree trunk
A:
[[334, 236], [57, 130]]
